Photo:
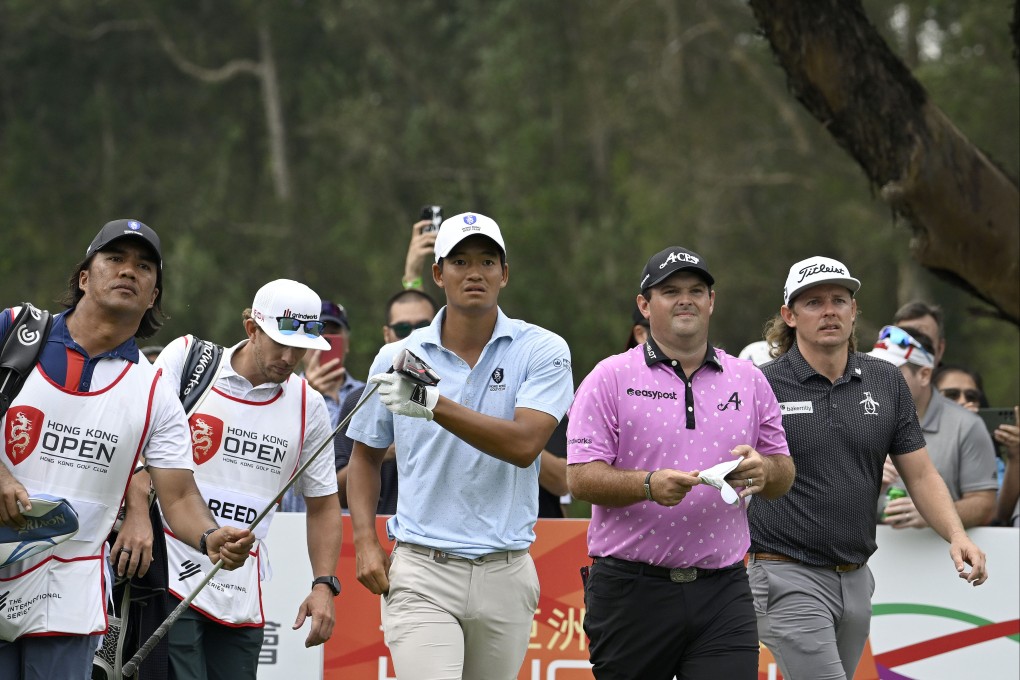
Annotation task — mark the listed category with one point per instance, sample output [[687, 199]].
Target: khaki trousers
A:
[[452, 618]]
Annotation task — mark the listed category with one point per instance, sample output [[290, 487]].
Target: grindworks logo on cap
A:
[[134, 226], [470, 219]]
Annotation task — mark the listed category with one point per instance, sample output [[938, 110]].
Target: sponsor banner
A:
[[928, 623]]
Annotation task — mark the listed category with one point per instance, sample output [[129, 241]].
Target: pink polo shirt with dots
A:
[[634, 411]]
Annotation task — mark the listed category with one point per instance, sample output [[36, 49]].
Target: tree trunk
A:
[[963, 209]]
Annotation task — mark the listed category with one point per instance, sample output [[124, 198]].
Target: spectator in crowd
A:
[[927, 319], [957, 441], [667, 592], [420, 250], [461, 587], [250, 435], [843, 412], [406, 312], [330, 379], [962, 385], [92, 381], [757, 353], [638, 329], [1008, 507]]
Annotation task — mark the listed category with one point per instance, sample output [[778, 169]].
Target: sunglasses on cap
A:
[[899, 337], [954, 394], [288, 325], [402, 329]]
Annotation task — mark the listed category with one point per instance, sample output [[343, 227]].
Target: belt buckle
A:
[[844, 568], [439, 557], [683, 574]]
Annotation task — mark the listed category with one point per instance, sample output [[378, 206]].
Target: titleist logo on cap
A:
[[813, 269]]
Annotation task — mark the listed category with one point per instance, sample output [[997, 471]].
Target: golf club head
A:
[[407, 364]]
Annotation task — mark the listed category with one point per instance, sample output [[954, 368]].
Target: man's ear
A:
[[788, 316]]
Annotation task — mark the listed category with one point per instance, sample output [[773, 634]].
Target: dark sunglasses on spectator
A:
[[953, 394], [289, 325], [402, 329]]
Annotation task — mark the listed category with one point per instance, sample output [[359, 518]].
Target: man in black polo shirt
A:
[[843, 411]]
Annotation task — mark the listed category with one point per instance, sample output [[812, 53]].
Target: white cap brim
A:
[[884, 354]]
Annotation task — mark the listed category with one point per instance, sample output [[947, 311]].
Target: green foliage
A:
[[596, 133]]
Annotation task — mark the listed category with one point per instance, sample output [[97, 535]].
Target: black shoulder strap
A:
[[200, 367], [22, 347]]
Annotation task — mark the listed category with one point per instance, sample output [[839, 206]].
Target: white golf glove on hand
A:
[[405, 397]]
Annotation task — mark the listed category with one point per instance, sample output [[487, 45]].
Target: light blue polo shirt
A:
[[452, 496]]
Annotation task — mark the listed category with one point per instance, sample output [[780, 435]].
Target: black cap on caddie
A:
[[118, 229], [674, 259]]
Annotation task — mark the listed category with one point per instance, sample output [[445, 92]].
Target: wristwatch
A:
[[332, 581], [202, 547]]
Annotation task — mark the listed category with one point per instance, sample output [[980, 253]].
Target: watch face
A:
[[332, 581]]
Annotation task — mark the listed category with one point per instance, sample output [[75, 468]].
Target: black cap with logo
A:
[[118, 229], [674, 259]]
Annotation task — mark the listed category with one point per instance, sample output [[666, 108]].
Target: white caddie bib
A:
[[244, 453], [82, 447]]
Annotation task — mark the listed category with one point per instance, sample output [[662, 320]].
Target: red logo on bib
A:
[[206, 435], [21, 432]]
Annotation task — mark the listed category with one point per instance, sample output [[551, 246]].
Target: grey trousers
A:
[[815, 621], [459, 619]]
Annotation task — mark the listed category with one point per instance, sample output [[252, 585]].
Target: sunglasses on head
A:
[[402, 329], [288, 325], [901, 338], [954, 393]]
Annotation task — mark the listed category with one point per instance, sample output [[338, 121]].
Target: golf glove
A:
[[404, 397]]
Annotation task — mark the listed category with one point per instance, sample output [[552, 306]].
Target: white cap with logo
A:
[[455, 229], [288, 312], [815, 271]]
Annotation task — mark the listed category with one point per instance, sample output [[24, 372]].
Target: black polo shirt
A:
[[839, 434]]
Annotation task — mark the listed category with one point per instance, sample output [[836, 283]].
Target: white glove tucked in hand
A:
[[714, 475], [404, 397]]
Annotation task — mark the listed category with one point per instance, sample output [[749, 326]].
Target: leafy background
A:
[[300, 138]]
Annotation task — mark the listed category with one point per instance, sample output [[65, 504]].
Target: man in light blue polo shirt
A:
[[460, 589]]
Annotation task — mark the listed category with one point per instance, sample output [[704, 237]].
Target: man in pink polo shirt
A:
[[653, 439]]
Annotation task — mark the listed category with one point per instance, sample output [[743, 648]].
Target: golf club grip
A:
[[150, 644]]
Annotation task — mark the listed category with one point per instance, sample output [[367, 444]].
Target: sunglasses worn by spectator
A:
[[953, 394], [901, 338], [289, 325], [402, 329]]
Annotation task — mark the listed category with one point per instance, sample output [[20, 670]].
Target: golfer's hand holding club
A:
[[409, 388]]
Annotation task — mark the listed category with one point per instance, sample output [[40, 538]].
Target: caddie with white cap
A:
[[843, 412], [249, 435]]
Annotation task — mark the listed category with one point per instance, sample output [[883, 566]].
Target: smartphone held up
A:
[[337, 349], [433, 213]]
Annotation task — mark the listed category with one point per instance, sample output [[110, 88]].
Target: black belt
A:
[[675, 574]]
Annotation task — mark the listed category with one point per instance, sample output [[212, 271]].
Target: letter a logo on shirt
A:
[[21, 432], [206, 435], [734, 399]]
